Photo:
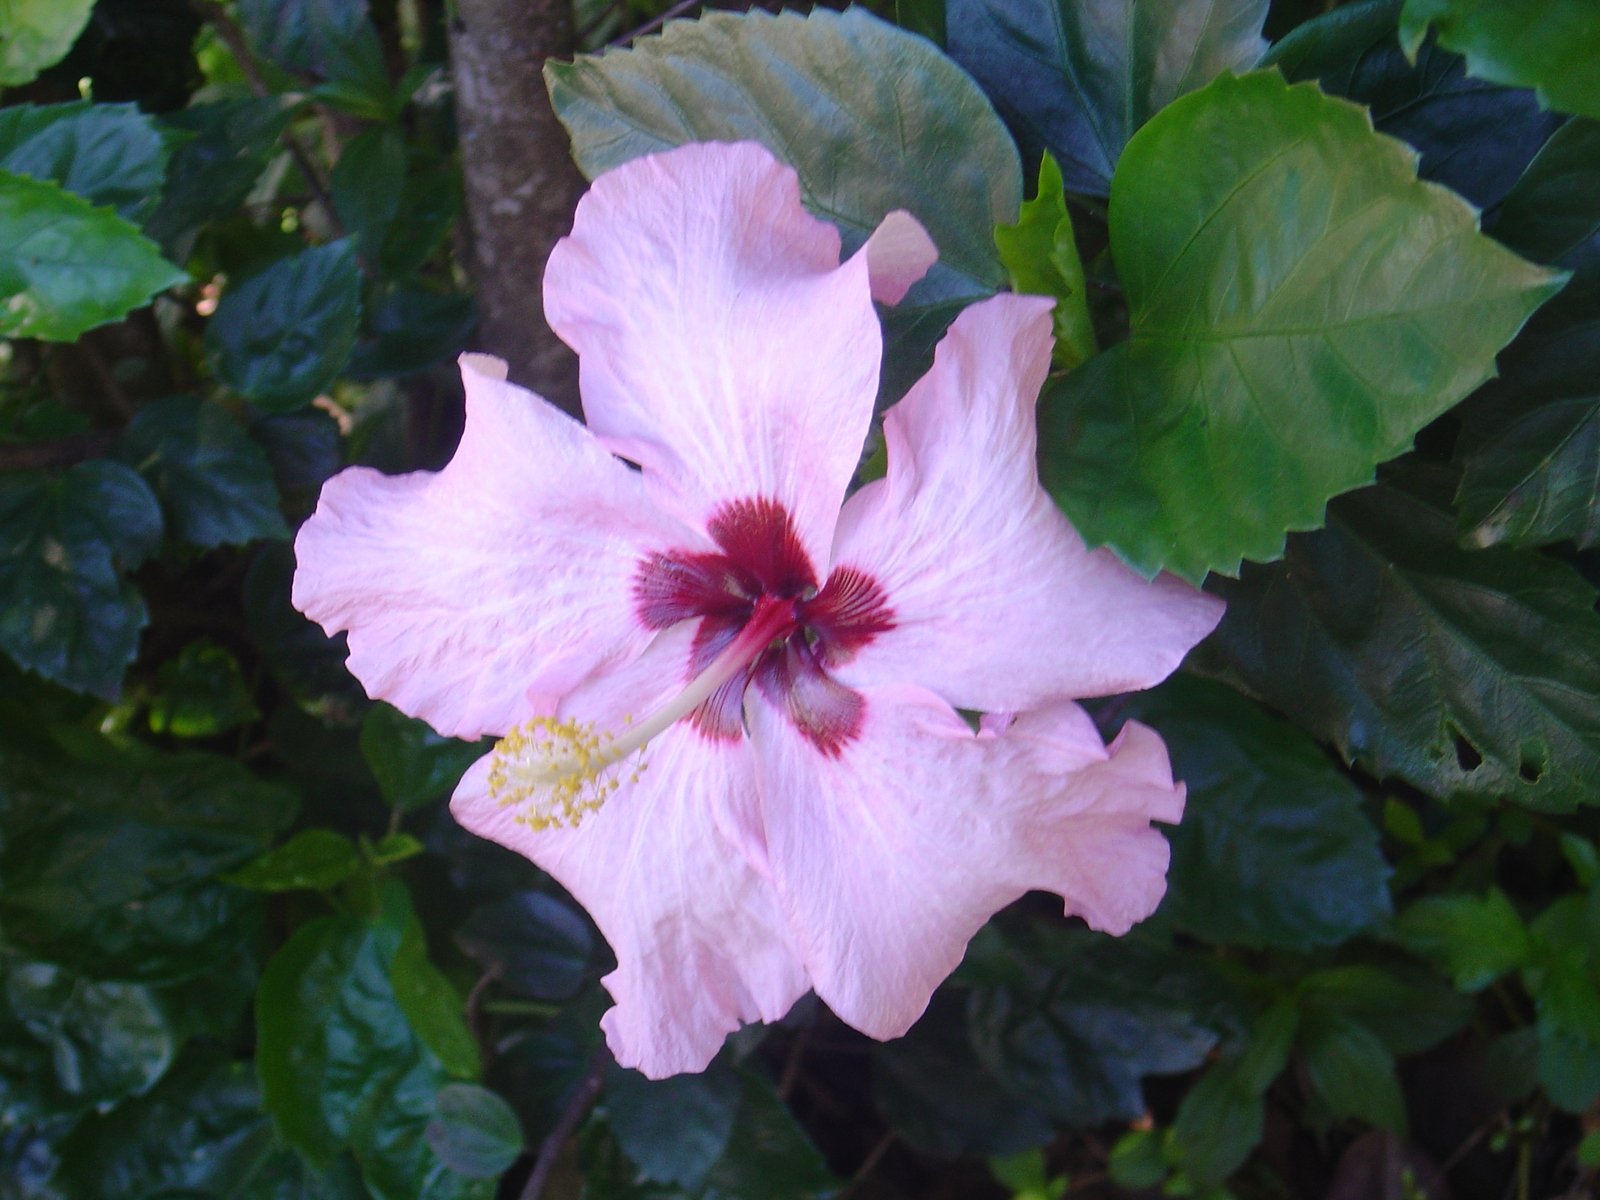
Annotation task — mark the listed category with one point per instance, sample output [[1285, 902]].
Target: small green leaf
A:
[[65, 609], [1137, 1161], [1497, 693], [109, 154], [1581, 854], [1041, 257], [35, 34], [412, 763], [873, 119], [434, 1009], [367, 182], [397, 847], [674, 1129], [1474, 941], [214, 481], [1242, 402], [67, 266], [313, 858], [201, 692], [1079, 77], [283, 335], [1548, 45], [474, 1132], [1352, 1070]]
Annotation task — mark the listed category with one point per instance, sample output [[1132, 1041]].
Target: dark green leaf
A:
[[433, 1008], [411, 330], [367, 182], [307, 661], [429, 204], [936, 1094], [110, 855], [1041, 256], [1088, 1018], [1351, 1070], [769, 1156], [285, 1175], [214, 481], [412, 763], [1410, 1010], [1569, 1067], [1474, 137], [1136, 1160], [396, 847], [34, 34], [1079, 78], [1475, 673], [1474, 941], [211, 174], [312, 858], [530, 941], [1554, 209], [474, 1131], [674, 1129], [1233, 413], [304, 448], [1551, 47], [302, 35], [284, 334], [195, 1135], [109, 154], [873, 119], [1273, 849], [1219, 1121], [67, 266], [922, 16], [357, 78], [200, 692], [65, 610]]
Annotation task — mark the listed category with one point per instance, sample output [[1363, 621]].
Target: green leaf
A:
[[1352, 1070], [925, 17], [340, 1064], [873, 119], [937, 1095], [434, 1009], [302, 35], [428, 208], [396, 847], [65, 610], [312, 858], [410, 330], [109, 154], [1080, 1024], [285, 1175], [474, 1131], [1554, 208], [201, 692], [1220, 1118], [1473, 940], [308, 662], [210, 175], [530, 941], [110, 855], [214, 481], [1241, 403], [411, 762], [367, 182], [674, 1129], [1472, 673], [35, 34], [1474, 137], [1136, 1160], [1274, 849], [1078, 77], [1409, 1009], [769, 1157], [1569, 1068], [1580, 853], [67, 266], [1548, 45], [1041, 257], [283, 335]]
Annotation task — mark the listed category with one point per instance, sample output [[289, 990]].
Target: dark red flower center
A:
[[761, 558]]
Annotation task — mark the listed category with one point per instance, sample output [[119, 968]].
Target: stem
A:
[[578, 1106]]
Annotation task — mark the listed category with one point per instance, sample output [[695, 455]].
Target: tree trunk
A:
[[521, 184]]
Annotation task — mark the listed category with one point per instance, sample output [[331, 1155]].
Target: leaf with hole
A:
[[1300, 305]]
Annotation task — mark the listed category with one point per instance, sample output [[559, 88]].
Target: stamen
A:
[[564, 770]]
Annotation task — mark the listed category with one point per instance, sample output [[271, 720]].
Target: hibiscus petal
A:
[[899, 253], [721, 344], [507, 573], [997, 603], [668, 870], [891, 853]]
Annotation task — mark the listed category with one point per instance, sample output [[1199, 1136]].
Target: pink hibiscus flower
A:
[[726, 694]]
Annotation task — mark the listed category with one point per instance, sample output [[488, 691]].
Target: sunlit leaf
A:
[[34, 34]]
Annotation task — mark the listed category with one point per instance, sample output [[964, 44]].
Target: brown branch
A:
[[62, 452], [578, 1106], [233, 37]]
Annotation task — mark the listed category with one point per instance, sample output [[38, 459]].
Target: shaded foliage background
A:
[[245, 954]]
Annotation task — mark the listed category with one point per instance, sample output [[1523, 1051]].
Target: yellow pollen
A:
[[561, 770]]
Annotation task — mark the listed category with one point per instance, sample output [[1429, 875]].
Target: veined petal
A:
[[479, 594], [890, 854], [998, 605], [721, 344], [665, 869]]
